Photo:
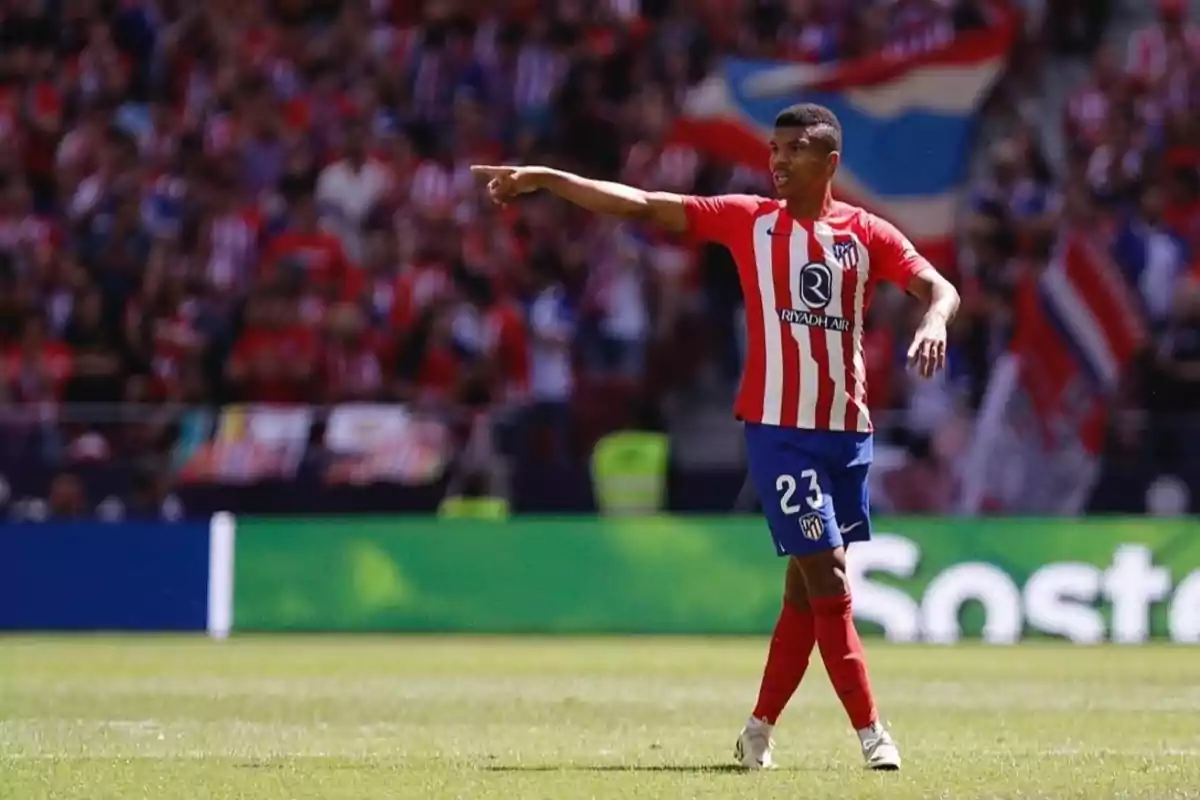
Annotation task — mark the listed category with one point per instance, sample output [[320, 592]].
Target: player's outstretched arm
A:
[[928, 350], [662, 209]]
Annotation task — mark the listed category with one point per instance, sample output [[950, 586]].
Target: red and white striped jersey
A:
[[1152, 52], [807, 284]]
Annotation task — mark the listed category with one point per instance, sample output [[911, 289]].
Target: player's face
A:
[[798, 161]]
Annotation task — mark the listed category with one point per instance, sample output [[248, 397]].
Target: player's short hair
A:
[[820, 123]]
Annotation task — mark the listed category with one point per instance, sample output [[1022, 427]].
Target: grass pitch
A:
[[291, 718]]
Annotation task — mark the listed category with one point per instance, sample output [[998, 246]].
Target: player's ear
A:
[[832, 161]]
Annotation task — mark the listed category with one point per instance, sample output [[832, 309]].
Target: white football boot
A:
[[879, 749], [754, 745]]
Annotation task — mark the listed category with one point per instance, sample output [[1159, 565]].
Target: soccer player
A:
[[808, 265]]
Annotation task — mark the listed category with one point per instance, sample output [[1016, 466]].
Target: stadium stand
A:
[[209, 206]]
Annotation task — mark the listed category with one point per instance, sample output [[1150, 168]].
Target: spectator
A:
[[541, 65], [263, 147], [1154, 49], [428, 367], [1115, 168], [311, 260], [422, 281], [1181, 347], [36, 368], [552, 333], [1090, 108], [1017, 200], [505, 346], [163, 336], [1152, 255], [350, 188], [67, 499], [232, 234], [275, 358], [352, 361], [1173, 383], [98, 369], [620, 302], [152, 498], [1182, 211]]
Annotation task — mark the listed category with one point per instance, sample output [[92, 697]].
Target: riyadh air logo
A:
[[812, 285], [816, 285]]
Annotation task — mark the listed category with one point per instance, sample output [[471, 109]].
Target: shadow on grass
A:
[[678, 769], [695, 769]]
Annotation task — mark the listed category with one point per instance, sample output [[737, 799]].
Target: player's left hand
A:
[[928, 350], [505, 184]]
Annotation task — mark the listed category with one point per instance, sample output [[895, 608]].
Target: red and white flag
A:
[[1041, 431]]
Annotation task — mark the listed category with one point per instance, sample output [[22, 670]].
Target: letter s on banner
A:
[[1183, 619], [886, 606], [962, 583]]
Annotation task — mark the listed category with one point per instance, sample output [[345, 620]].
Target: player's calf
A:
[[837, 638], [842, 651], [791, 647], [788, 656]]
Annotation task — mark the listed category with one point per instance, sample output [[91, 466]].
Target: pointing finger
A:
[[491, 172]]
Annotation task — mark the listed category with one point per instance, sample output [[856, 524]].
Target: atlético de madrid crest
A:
[[845, 250]]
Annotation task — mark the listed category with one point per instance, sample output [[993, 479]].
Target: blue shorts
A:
[[812, 486]]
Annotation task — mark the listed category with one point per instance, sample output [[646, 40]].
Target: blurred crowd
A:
[[268, 200], [1129, 179]]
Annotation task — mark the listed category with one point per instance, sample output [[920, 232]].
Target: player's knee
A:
[[825, 573]]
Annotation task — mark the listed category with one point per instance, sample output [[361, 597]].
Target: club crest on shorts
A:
[[812, 526], [845, 250]]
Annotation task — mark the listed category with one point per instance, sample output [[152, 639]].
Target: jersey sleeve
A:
[[893, 257], [719, 219]]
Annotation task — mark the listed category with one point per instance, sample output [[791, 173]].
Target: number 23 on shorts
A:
[[786, 486]]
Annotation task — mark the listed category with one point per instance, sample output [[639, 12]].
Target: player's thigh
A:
[[851, 503], [795, 491], [795, 585]]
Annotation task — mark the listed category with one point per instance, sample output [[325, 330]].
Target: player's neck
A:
[[810, 205]]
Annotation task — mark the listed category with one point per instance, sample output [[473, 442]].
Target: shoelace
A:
[[876, 738], [873, 747]]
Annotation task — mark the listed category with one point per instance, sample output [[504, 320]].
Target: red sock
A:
[[787, 659], [842, 652]]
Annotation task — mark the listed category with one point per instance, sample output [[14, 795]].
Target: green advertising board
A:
[[1124, 580]]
